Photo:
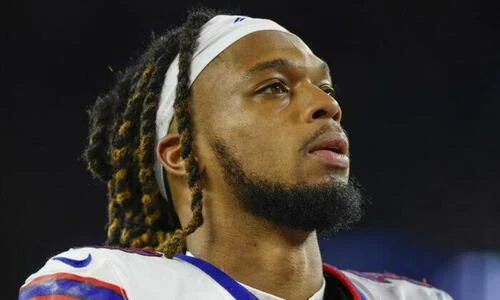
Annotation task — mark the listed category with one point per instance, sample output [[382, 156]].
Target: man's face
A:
[[265, 106], [267, 116]]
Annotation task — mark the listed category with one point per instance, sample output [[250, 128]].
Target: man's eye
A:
[[274, 88], [329, 90]]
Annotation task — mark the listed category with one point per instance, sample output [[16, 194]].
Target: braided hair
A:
[[120, 148]]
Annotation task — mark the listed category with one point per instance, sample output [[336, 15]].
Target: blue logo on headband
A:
[[238, 19]]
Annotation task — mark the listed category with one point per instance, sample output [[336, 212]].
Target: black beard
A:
[[326, 208]]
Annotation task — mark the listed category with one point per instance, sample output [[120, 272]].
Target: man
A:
[[222, 150]]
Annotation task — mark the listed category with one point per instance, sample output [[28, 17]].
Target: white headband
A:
[[216, 35]]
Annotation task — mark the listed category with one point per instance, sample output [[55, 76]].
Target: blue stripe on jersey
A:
[[363, 297], [229, 284], [68, 287]]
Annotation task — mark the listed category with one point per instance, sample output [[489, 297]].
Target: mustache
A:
[[334, 127]]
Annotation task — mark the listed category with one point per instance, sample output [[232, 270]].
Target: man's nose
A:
[[319, 104]]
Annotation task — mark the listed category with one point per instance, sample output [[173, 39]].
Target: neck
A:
[[283, 262]]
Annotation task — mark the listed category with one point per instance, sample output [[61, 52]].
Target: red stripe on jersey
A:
[[69, 276], [344, 280], [54, 297]]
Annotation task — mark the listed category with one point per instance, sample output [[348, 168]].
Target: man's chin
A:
[[333, 179], [330, 206]]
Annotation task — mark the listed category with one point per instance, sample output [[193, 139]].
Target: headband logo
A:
[[238, 19]]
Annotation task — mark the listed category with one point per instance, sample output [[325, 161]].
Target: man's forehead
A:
[[267, 50]]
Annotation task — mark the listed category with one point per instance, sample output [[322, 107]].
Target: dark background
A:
[[418, 83]]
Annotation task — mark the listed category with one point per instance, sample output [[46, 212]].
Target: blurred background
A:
[[418, 81]]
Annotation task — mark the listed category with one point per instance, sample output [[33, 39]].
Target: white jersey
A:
[[118, 273]]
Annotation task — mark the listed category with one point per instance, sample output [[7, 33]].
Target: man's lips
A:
[[332, 149], [332, 158]]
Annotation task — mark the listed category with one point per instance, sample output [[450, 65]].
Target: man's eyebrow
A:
[[325, 66], [277, 64]]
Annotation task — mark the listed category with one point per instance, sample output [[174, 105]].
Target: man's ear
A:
[[168, 152]]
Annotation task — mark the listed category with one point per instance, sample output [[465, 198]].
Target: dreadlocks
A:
[[120, 149]]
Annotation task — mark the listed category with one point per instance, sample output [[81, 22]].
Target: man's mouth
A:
[[331, 150]]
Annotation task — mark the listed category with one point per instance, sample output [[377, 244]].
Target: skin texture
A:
[[265, 117]]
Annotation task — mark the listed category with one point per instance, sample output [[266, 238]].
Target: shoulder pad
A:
[[391, 286]]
